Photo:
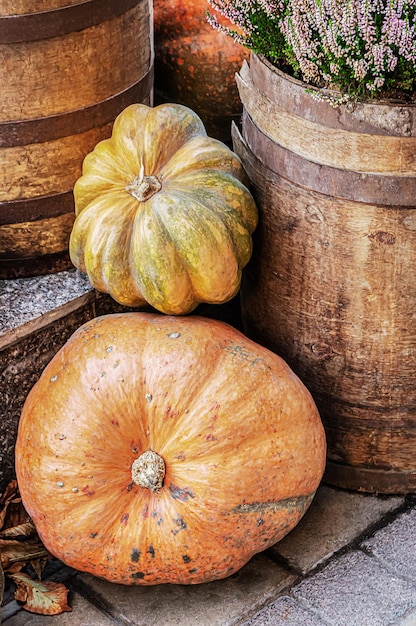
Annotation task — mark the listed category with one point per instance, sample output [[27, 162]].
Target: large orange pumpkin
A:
[[160, 449], [163, 216]]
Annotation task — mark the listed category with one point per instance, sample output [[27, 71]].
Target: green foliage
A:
[[362, 48]]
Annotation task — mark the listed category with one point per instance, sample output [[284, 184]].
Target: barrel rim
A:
[[373, 116], [58, 22]]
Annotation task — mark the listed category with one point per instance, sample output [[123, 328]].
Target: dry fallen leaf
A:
[[12, 511], [25, 530], [23, 553], [39, 565], [15, 567], [19, 546], [1, 586], [45, 598]]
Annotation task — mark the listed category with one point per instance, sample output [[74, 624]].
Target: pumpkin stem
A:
[[144, 187], [148, 470]]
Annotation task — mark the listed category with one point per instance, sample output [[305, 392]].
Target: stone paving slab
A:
[[220, 603], [82, 614], [285, 611], [354, 590], [408, 620], [334, 519], [395, 546]]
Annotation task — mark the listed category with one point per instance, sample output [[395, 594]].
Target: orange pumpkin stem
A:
[[148, 471]]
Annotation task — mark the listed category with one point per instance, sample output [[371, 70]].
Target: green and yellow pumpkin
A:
[[163, 213]]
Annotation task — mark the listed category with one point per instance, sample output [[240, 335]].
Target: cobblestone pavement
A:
[[351, 561]]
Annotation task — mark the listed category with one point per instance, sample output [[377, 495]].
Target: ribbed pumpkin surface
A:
[[163, 216], [239, 436]]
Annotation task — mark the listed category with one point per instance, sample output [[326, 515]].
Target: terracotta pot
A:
[[196, 65], [331, 285], [68, 69]]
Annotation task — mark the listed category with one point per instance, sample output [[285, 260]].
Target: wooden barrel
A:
[[67, 69], [196, 65], [332, 283]]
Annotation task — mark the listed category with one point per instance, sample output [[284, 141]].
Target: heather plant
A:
[[362, 48]]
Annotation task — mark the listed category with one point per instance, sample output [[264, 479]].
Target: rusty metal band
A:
[[394, 191], [61, 21], [36, 208], [376, 480], [40, 130], [34, 266]]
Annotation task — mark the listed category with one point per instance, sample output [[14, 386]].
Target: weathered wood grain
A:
[[37, 238], [374, 118], [57, 18], [387, 190], [67, 70], [40, 169], [325, 145], [331, 287]]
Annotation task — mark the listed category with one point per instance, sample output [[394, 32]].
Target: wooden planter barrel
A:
[[196, 65], [332, 282], [67, 69]]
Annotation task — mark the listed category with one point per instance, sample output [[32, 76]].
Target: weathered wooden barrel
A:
[[196, 65], [67, 69], [332, 282]]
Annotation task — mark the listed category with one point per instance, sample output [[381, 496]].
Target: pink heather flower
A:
[[360, 67], [330, 41], [272, 8], [241, 38]]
